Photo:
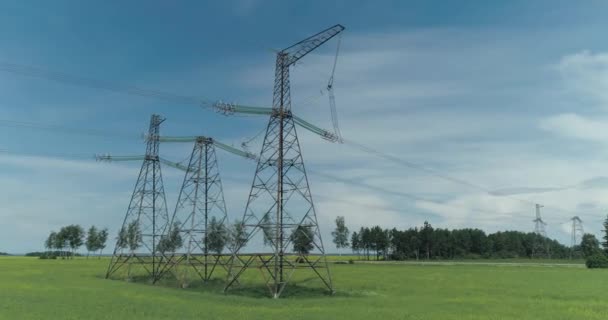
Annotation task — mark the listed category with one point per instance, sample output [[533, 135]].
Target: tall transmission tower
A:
[[539, 224], [146, 218], [280, 203], [539, 230], [577, 228], [200, 206]]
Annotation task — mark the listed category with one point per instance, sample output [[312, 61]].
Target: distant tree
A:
[[355, 243], [268, 230], [605, 237], [172, 241], [92, 240], [415, 243], [217, 236], [50, 242], [75, 237], [365, 238], [134, 237], [302, 239], [598, 260], [237, 236], [340, 234], [426, 237], [102, 238], [61, 241], [122, 240], [590, 245], [449, 244]]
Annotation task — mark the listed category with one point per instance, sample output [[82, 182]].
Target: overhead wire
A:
[[67, 78], [65, 129], [60, 155], [32, 71]]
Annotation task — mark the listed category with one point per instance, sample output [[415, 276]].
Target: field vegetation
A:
[[31, 288]]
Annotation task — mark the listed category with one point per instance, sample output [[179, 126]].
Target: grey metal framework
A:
[[146, 218], [539, 229], [200, 200], [577, 229], [280, 202]]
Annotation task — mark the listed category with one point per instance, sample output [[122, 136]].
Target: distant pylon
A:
[[539, 229], [577, 228], [280, 209], [146, 217], [200, 202], [539, 224]]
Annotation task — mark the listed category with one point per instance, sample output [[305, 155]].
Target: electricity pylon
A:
[[146, 218], [539, 230], [200, 206], [280, 203], [577, 228]]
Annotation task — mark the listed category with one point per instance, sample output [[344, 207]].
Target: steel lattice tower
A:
[[146, 218], [200, 201], [280, 203], [539, 229], [577, 228], [539, 224]]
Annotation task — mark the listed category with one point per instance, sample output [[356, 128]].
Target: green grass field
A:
[[56, 289]]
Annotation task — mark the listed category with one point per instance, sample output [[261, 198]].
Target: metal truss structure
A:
[[146, 218], [280, 203], [577, 229], [539, 229], [200, 202]]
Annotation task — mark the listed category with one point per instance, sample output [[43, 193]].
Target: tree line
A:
[[427, 242], [596, 256], [68, 239], [218, 236]]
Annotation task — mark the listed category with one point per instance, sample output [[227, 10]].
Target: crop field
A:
[[58, 289]]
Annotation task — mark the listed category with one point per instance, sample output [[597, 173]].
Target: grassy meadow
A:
[[58, 289]]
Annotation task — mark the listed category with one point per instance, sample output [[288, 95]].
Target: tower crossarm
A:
[[203, 139], [178, 139], [298, 50], [109, 158]]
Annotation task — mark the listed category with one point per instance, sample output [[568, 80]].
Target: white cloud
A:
[[576, 126], [586, 75], [411, 94]]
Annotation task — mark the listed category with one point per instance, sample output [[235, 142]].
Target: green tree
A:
[[75, 237], [172, 241], [415, 242], [122, 240], [217, 236], [49, 244], [237, 236], [355, 243], [61, 241], [590, 245], [134, 237], [605, 237], [340, 234], [302, 239], [366, 241], [426, 237], [92, 240], [102, 238], [268, 230]]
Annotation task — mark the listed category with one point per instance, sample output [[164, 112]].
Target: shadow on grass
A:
[[216, 286]]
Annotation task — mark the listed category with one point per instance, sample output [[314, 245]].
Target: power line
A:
[[439, 174], [36, 72], [398, 193], [67, 156], [32, 71], [64, 129]]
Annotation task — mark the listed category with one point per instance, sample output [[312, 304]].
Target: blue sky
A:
[[511, 96]]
